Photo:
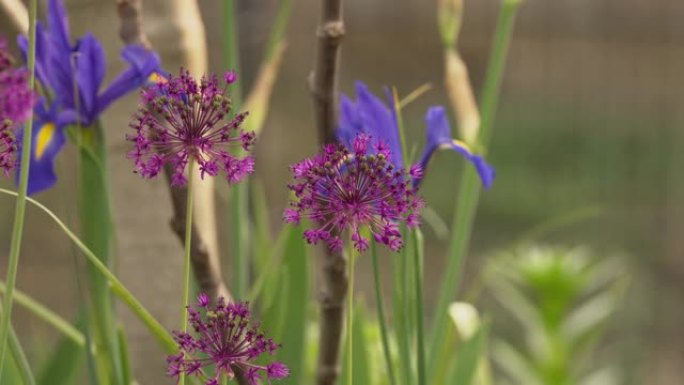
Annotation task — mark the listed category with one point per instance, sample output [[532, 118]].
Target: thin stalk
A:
[[350, 312], [399, 302], [20, 208], [188, 249], [470, 187], [20, 359], [420, 329], [381, 314], [160, 333]]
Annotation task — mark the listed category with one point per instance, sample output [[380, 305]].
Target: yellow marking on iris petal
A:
[[462, 145], [156, 78], [45, 134]]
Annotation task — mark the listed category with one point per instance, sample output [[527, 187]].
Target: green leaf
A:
[[96, 226], [470, 354], [292, 336]]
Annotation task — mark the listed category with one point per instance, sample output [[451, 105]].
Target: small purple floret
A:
[[8, 148], [224, 338], [230, 77], [353, 190], [181, 119]]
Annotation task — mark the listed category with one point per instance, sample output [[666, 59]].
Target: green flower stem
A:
[[20, 208], [20, 359], [188, 240], [470, 187], [350, 312], [381, 314], [47, 315], [158, 331], [420, 329], [399, 302]]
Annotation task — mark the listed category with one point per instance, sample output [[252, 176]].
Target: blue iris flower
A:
[[369, 115], [72, 76]]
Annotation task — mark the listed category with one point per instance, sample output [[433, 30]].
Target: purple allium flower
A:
[[226, 339], [16, 102], [181, 118], [354, 190], [16, 98]]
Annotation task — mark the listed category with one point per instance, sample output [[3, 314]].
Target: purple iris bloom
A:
[[72, 75], [369, 115]]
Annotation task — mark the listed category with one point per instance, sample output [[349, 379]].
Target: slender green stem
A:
[[47, 315], [399, 302], [381, 314], [350, 313], [418, 285], [20, 359], [240, 240], [20, 208], [188, 248], [160, 333], [470, 187], [188, 240]]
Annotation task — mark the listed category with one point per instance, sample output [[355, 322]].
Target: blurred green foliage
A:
[[561, 300]]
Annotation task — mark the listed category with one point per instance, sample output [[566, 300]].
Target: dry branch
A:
[[323, 84]]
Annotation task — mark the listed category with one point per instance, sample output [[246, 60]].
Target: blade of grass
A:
[[470, 187], [20, 206]]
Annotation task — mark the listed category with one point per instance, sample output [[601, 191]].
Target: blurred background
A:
[[587, 146]]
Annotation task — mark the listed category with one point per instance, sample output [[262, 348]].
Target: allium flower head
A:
[[357, 190], [180, 119], [225, 339], [16, 101]]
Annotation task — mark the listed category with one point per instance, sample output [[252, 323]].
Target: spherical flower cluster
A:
[[16, 102], [357, 190], [226, 339], [180, 119]]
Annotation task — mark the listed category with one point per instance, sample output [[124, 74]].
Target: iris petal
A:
[[58, 24], [90, 71], [48, 139], [369, 115], [142, 64], [439, 137]]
